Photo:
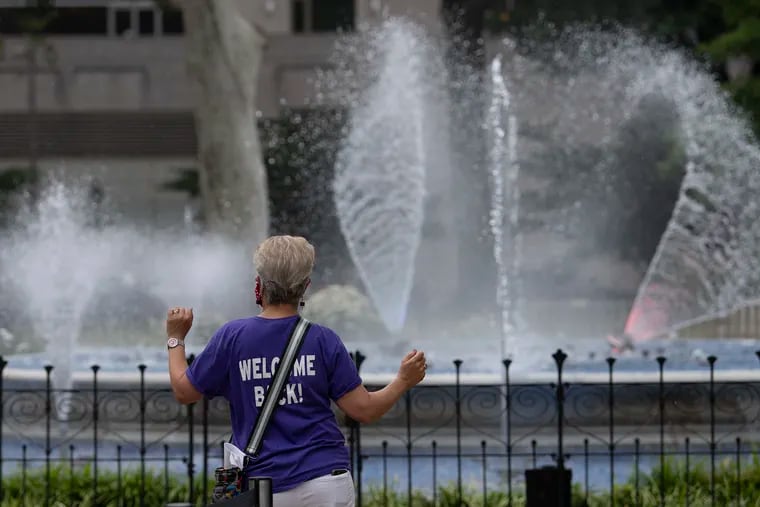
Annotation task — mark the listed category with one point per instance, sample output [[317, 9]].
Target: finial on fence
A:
[[95, 368], [610, 362], [661, 360], [711, 360], [48, 368], [141, 367], [458, 363], [559, 357], [507, 363]]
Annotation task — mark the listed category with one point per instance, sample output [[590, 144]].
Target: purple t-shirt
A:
[[302, 441]]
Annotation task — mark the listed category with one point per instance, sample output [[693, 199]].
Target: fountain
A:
[[379, 181], [397, 202], [708, 260], [501, 160], [88, 288]]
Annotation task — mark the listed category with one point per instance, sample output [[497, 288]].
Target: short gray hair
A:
[[284, 265]]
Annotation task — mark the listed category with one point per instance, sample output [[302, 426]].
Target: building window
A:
[[172, 21], [54, 21], [323, 15], [132, 18], [144, 18], [139, 18]]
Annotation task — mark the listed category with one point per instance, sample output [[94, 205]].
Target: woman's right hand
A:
[[412, 369]]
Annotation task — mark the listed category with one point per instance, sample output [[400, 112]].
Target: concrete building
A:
[[105, 91]]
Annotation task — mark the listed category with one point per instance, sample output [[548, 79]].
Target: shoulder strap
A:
[[285, 366]]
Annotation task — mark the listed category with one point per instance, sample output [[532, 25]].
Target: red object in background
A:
[[649, 318]]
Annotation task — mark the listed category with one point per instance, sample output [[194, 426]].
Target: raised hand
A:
[[412, 369], [178, 322]]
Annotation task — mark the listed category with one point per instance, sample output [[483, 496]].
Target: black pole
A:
[[359, 360], [458, 366], [95, 410], [118, 476], [408, 404], [637, 458], [385, 473], [611, 408], [508, 388], [738, 471], [688, 472], [711, 361], [48, 414], [484, 471], [3, 364], [142, 434], [435, 473], [71, 474], [661, 364], [166, 474], [585, 471], [205, 449], [559, 359], [24, 465], [190, 444]]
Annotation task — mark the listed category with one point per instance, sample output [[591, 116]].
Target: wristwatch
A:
[[175, 342]]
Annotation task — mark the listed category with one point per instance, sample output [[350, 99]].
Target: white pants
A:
[[325, 491]]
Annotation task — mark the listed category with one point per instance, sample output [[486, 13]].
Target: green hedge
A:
[[76, 489]]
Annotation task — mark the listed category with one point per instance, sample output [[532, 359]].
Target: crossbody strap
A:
[[284, 368]]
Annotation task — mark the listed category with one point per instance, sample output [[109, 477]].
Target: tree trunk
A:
[[224, 54]]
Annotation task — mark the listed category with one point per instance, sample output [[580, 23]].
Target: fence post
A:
[[484, 471], [95, 410], [355, 437], [408, 405], [142, 368], [434, 446], [24, 466], [119, 497], [205, 449], [3, 364], [738, 471], [48, 415], [458, 404], [508, 429], [385, 473], [688, 472], [559, 358], [551, 486], [711, 361], [611, 407], [661, 365], [637, 458], [71, 474], [190, 444]]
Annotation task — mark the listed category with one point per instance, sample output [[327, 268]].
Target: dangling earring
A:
[[257, 291]]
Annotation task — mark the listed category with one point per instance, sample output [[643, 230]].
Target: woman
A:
[[303, 451]]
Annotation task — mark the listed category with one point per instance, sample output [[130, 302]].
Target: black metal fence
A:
[[475, 437]]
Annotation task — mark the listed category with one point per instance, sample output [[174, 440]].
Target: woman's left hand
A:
[[178, 322]]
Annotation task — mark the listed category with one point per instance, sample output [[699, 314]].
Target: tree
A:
[[224, 53], [738, 50]]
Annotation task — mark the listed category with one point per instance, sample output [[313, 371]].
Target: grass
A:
[[76, 489]]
